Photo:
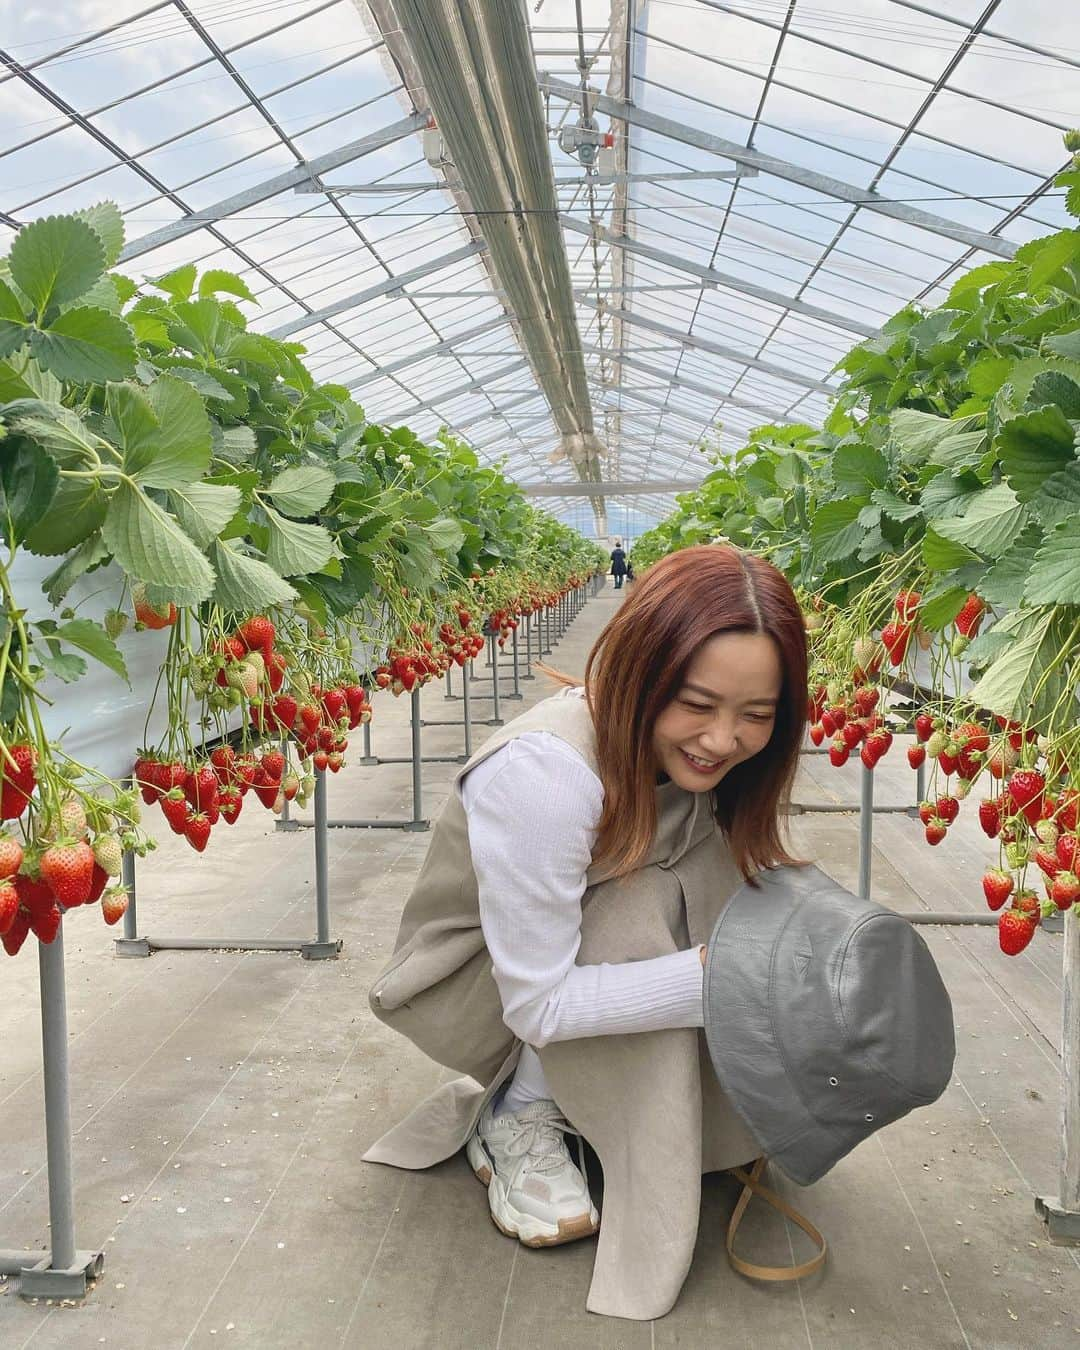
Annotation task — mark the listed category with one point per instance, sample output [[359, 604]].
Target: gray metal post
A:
[[54, 1046], [920, 783], [517, 678], [322, 865], [466, 710], [418, 820], [1061, 1213], [449, 690], [493, 654], [528, 647], [866, 831], [127, 880]]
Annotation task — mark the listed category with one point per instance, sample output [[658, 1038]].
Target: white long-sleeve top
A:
[[533, 808]]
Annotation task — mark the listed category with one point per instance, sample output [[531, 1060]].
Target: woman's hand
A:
[[702, 950]]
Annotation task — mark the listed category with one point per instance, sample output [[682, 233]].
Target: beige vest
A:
[[648, 1103]]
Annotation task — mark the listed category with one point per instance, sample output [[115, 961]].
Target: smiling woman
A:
[[576, 870]]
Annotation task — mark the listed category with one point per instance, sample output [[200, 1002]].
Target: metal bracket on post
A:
[[417, 823], [62, 1272], [322, 947], [1061, 1213]]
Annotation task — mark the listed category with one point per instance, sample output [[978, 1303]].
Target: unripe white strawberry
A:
[[936, 744], [1047, 832], [961, 788], [108, 854]]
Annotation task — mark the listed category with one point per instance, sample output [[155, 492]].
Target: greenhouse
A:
[[540, 646]]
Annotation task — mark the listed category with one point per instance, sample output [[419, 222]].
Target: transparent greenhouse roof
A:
[[711, 293]]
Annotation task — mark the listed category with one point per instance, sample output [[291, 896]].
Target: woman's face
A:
[[724, 712]]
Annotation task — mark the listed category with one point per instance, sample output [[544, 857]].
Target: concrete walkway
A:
[[221, 1103]]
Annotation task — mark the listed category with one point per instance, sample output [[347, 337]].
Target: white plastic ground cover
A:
[[101, 720]]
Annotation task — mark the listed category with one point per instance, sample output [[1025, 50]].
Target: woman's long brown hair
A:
[[638, 665]]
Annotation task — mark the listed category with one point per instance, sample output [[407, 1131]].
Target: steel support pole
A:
[[127, 880], [417, 763], [517, 677], [493, 656], [920, 783], [1061, 1213], [866, 831], [322, 948], [61, 1273], [466, 709], [527, 673]]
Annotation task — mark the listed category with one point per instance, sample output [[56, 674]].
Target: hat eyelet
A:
[[869, 1116], [834, 1082]]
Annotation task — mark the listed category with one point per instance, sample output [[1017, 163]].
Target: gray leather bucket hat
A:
[[825, 1015]]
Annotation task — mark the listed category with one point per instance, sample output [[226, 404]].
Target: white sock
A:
[[528, 1083]]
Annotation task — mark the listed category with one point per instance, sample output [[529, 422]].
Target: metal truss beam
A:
[[695, 343], [282, 182], [448, 395], [387, 286], [620, 489], [437, 349], [781, 168], [500, 411], [721, 280], [699, 387]]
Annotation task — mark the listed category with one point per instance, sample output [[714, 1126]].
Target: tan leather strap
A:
[[751, 1187]]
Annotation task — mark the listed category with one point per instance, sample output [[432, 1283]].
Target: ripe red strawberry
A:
[[924, 727], [265, 787], [948, 808], [880, 741], [895, 637], [223, 758], [275, 671], [285, 709], [11, 856], [334, 705], [290, 786], [1048, 861], [1065, 890], [244, 771], [817, 733], [990, 816], [1068, 812], [936, 830], [868, 756], [273, 764], [98, 881], [114, 905], [310, 718], [997, 887], [258, 634], [1015, 931], [828, 722], [320, 759], [1066, 848], [230, 801], [926, 812], [334, 760], [145, 774], [9, 906], [45, 924], [197, 831], [838, 753], [948, 762], [916, 755], [152, 616], [866, 700], [1026, 787], [176, 809], [17, 780], [67, 869], [971, 736], [851, 733], [970, 617], [201, 787]]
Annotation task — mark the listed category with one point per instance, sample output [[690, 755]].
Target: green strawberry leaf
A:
[[204, 509], [28, 481], [245, 584], [150, 546], [301, 490], [92, 638], [295, 549], [86, 345], [55, 260], [14, 326]]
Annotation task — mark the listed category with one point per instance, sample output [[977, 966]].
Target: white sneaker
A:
[[535, 1191]]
